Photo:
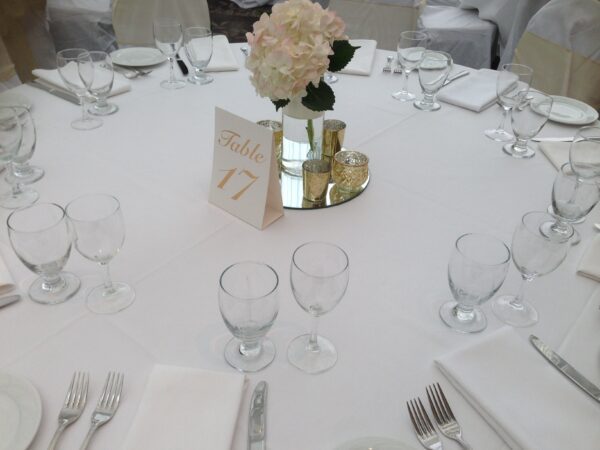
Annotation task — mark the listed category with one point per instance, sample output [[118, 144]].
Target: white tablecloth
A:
[[434, 177]]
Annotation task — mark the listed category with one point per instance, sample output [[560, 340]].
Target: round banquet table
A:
[[434, 176]]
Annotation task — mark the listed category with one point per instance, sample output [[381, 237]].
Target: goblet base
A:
[[246, 363], [86, 124], [101, 300], [330, 78], [403, 96], [426, 106], [28, 175], [65, 289], [24, 198], [451, 316], [205, 79], [499, 135], [517, 315], [524, 153], [105, 110], [312, 361], [176, 84]]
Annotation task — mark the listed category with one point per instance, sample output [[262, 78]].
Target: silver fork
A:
[[424, 429], [73, 406], [107, 405], [443, 415]]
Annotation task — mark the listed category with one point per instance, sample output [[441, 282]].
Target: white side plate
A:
[[374, 443], [137, 56], [571, 112], [21, 412]]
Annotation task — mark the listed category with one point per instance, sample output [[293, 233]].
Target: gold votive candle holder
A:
[[350, 170], [315, 179], [333, 138], [277, 129]]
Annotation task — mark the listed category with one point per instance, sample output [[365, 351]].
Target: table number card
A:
[[244, 178]]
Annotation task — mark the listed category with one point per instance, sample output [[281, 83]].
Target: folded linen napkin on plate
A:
[[523, 398], [222, 59], [589, 265], [7, 283], [52, 77], [556, 152], [185, 408], [475, 92], [362, 61]]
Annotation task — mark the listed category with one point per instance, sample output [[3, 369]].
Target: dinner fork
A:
[[107, 405], [73, 405], [443, 415], [424, 429]]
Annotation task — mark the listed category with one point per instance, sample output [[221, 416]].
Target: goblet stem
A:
[[517, 303], [520, 145], [505, 111], [405, 83], [108, 284], [250, 349], [561, 227], [313, 344], [171, 70], [52, 283], [464, 313], [83, 110]]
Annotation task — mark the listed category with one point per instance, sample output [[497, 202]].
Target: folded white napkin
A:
[[556, 152], [362, 61], [589, 265], [52, 77], [186, 409], [7, 283], [524, 399], [222, 58], [475, 92]]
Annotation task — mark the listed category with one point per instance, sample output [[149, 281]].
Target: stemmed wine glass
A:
[[42, 237], [527, 119], [476, 270], [22, 172], [319, 277], [433, 72], [534, 254], [584, 154], [67, 63], [411, 46], [248, 301], [512, 86], [168, 36], [198, 48], [19, 196], [100, 234], [97, 73]]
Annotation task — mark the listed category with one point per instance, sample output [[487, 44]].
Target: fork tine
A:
[[412, 418], [446, 404], [85, 387], [430, 429], [419, 418], [76, 390], [104, 394], [434, 406], [440, 405], [81, 390], [120, 379], [415, 418], [70, 390]]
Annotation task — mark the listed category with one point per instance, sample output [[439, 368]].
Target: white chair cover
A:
[[443, 2], [469, 39], [132, 19], [562, 45], [381, 20]]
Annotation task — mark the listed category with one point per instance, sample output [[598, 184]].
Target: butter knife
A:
[[257, 419], [184, 69], [565, 368], [451, 78], [54, 91]]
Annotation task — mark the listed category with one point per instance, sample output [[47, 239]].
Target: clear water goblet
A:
[[168, 37], [19, 196], [527, 119], [248, 301], [21, 171], [198, 48], [66, 62], [434, 69], [42, 237], [584, 153], [11, 134], [319, 276], [98, 74], [512, 85], [534, 254], [100, 234], [411, 46], [477, 268]]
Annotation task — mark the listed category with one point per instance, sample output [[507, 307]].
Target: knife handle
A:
[[181, 64]]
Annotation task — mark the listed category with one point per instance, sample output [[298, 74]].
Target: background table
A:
[[434, 177]]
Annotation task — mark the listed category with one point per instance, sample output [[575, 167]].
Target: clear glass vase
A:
[[302, 136]]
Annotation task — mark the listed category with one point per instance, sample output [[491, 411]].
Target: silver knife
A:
[[565, 368], [5, 301], [460, 74], [257, 419], [54, 91]]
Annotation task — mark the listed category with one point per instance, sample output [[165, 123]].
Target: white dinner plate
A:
[[374, 443], [9, 98], [137, 56], [20, 410], [571, 112]]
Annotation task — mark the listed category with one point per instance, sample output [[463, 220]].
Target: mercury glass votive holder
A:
[[333, 138], [315, 179], [350, 170], [277, 129]]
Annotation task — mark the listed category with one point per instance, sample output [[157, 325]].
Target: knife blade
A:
[[181, 64], [55, 91], [5, 301], [565, 368], [257, 419], [450, 79]]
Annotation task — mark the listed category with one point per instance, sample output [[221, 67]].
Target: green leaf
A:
[[319, 98], [280, 103], [343, 52]]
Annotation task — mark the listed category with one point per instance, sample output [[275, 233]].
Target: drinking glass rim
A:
[[321, 276], [167, 22], [208, 31], [528, 70], [249, 262], [71, 58], [412, 35], [116, 200], [581, 180], [486, 236], [35, 205]]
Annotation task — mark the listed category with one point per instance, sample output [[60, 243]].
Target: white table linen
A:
[[589, 266], [556, 152], [52, 77], [7, 283], [222, 58], [434, 176], [362, 61], [475, 92]]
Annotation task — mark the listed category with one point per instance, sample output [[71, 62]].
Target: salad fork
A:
[[424, 429], [443, 415], [107, 405], [74, 405]]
